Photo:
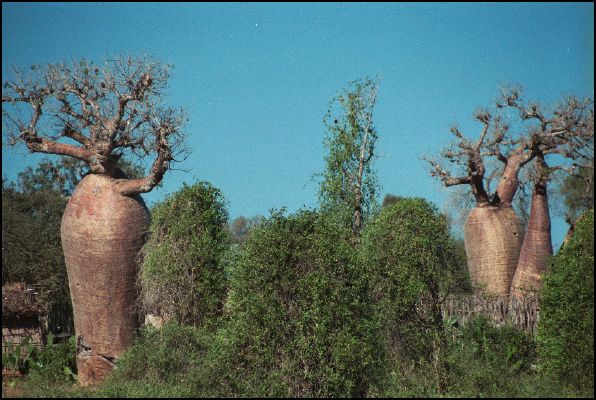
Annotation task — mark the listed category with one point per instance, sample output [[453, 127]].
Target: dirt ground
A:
[[10, 387]]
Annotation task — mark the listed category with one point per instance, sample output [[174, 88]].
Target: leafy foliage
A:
[[159, 363], [566, 327], [18, 357], [31, 247], [181, 275], [55, 362], [349, 182], [485, 360], [52, 364], [299, 321], [414, 265]]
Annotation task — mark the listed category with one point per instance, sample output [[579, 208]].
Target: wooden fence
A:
[[522, 313]]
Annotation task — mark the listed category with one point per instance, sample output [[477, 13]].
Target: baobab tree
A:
[[493, 233], [97, 113], [349, 184], [568, 133]]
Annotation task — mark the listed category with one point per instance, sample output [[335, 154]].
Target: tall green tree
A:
[[31, 249], [349, 185]]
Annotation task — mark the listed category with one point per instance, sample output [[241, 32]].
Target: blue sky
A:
[[255, 79]]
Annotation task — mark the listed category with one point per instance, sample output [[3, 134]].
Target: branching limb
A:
[[102, 108]]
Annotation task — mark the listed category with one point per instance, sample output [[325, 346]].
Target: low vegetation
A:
[[304, 316]]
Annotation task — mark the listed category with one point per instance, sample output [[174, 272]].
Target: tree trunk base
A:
[[92, 370]]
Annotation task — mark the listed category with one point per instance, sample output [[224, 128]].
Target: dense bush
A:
[[414, 264], [489, 361], [160, 362], [299, 317], [181, 275], [483, 361], [31, 247], [566, 326]]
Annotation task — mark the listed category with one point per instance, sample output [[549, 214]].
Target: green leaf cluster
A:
[[566, 326], [414, 264], [181, 275], [299, 322]]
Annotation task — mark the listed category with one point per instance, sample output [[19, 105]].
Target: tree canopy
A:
[[349, 185], [96, 113]]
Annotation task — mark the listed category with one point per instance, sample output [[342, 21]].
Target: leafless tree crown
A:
[[568, 131], [96, 113]]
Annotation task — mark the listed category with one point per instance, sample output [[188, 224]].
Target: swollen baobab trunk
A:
[[493, 237], [97, 114], [102, 234], [493, 234], [537, 246]]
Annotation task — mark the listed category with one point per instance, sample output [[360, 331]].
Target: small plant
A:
[[18, 358], [53, 363]]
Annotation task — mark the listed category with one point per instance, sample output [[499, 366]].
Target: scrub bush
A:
[[181, 275]]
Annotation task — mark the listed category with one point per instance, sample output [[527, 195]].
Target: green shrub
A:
[[299, 316], [55, 363], [159, 363], [414, 264], [489, 361], [181, 275], [566, 326], [506, 347], [50, 370]]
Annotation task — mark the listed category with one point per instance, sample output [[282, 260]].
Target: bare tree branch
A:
[[103, 108], [567, 131]]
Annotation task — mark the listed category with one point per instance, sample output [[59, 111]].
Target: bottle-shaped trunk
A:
[[537, 246], [493, 238], [102, 234]]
